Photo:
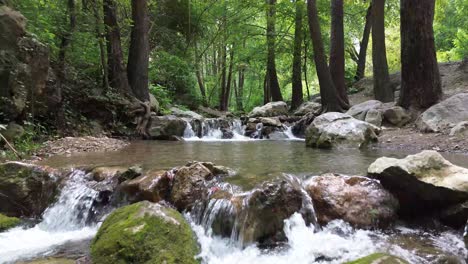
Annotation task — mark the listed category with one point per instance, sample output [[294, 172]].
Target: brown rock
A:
[[153, 186]]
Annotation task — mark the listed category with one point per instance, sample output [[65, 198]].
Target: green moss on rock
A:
[[379, 258], [8, 222], [144, 233]]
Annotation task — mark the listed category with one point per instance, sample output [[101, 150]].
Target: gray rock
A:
[[185, 113], [397, 116], [154, 104], [167, 126], [270, 121], [445, 114], [337, 129], [308, 107], [270, 109], [423, 183], [359, 111], [460, 130], [374, 117]]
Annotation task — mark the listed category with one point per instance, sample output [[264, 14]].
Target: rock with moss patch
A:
[[144, 233], [379, 258], [27, 190], [8, 222]]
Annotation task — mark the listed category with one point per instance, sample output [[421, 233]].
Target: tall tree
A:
[[115, 63], [138, 57], [297, 95], [337, 53], [420, 78], [331, 101], [361, 64], [383, 91], [272, 87]]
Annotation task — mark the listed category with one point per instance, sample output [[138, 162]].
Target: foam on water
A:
[[62, 222]]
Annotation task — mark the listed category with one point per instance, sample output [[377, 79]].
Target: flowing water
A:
[[65, 221], [254, 161]]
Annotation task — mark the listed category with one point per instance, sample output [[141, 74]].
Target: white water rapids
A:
[[63, 222]]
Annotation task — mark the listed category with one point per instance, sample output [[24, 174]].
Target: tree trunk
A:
[[331, 101], [297, 95], [240, 88], [306, 80], [337, 52], [199, 74], [272, 76], [383, 91], [227, 95], [102, 51], [223, 66], [138, 56], [420, 78], [115, 65], [361, 64]]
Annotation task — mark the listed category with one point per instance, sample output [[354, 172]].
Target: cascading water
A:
[[62, 222]]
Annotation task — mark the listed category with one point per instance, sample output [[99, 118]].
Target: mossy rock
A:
[[145, 233], [379, 258], [8, 222], [49, 261]]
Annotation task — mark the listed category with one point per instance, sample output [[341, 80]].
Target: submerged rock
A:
[[26, 189], [270, 109], [8, 222], [358, 200], [337, 129], [423, 183], [163, 127], [445, 114], [380, 258], [144, 233]]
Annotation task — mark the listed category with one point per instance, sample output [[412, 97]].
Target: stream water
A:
[[254, 161]]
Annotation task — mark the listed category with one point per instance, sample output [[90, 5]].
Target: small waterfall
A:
[[64, 221], [188, 132], [214, 129]]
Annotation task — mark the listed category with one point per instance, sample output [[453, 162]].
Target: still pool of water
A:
[[253, 161]]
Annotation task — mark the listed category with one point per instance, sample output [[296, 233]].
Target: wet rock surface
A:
[[358, 200], [167, 126], [340, 130]]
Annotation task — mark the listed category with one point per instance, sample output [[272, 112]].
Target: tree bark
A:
[[138, 56], [223, 66], [331, 101], [383, 91], [115, 65], [272, 76], [240, 88], [102, 51], [297, 94], [337, 52], [361, 64], [306, 80], [420, 78]]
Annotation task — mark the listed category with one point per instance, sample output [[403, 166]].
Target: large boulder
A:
[[299, 128], [26, 190], [337, 129], [165, 127], [445, 114], [397, 116], [190, 185], [358, 200], [423, 183], [24, 68], [270, 109], [359, 111], [144, 233], [308, 107]]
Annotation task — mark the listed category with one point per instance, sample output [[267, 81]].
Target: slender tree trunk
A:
[[65, 42], [305, 65], [222, 94], [102, 51], [227, 95], [115, 63], [331, 101], [240, 89], [361, 64], [297, 95], [420, 78], [383, 91], [337, 51], [138, 56], [199, 74], [273, 84]]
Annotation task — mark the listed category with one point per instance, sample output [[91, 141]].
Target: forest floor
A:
[[409, 138]]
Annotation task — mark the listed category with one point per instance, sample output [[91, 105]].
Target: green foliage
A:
[[8, 222], [164, 98], [133, 235]]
